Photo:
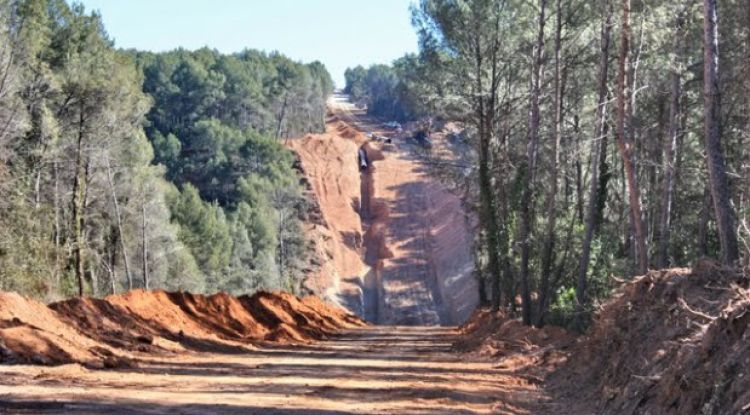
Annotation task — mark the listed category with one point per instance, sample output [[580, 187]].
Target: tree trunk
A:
[[670, 153], [488, 207], [598, 154], [56, 202], [112, 267], [579, 172], [489, 215], [282, 114], [94, 278], [479, 242], [530, 164], [38, 187], [705, 217], [719, 182], [549, 243], [118, 217], [626, 145], [281, 246], [79, 190], [144, 244], [747, 127]]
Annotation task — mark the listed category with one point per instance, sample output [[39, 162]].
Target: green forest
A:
[[601, 139], [123, 169]]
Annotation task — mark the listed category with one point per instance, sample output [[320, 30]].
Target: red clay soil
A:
[[33, 333], [290, 319], [670, 342], [115, 331]]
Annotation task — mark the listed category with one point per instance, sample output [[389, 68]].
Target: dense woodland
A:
[[123, 169], [603, 138]]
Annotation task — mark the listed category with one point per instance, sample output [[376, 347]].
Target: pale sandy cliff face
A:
[[391, 243]]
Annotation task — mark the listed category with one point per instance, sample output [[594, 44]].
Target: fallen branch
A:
[[695, 313]]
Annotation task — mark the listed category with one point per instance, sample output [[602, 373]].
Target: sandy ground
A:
[[374, 370]]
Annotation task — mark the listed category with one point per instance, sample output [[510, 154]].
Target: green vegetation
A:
[[389, 91], [133, 169], [591, 141]]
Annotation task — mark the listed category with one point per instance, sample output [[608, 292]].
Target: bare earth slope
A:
[[394, 243]]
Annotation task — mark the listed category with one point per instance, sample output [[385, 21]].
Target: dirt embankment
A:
[[527, 352], [673, 341], [329, 165], [117, 330], [670, 342]]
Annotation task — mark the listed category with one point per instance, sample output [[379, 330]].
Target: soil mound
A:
[[220, 313], [670, 342], [517, 347], [289, 319], [115, 331], [346, 131], [106, 323], [338, 316], [30, 332]]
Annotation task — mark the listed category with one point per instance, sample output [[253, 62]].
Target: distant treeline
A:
[[388, 91], [123, 169]]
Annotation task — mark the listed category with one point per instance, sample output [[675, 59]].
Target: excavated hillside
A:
[[392, 242]]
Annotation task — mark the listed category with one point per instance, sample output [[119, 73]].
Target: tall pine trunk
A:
[[489, 216], [626, 145], [484, 113], [532, 151], [598, 153], [670, 154], [549, 243], [56, 208], [144, 244], [719, 182], [79, 191], [118, 217]]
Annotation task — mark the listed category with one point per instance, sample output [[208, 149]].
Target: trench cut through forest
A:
[[397, 241]]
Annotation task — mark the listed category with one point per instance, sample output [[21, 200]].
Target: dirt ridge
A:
[[673, 341], [118, 330]]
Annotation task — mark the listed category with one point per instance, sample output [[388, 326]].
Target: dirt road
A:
[[375, 370]]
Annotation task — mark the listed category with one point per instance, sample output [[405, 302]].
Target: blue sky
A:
[[339, 33]]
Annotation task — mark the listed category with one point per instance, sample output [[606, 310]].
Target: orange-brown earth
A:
[[673, 341], [119, 330], [270, 353], [373, 370], [392, 242]]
